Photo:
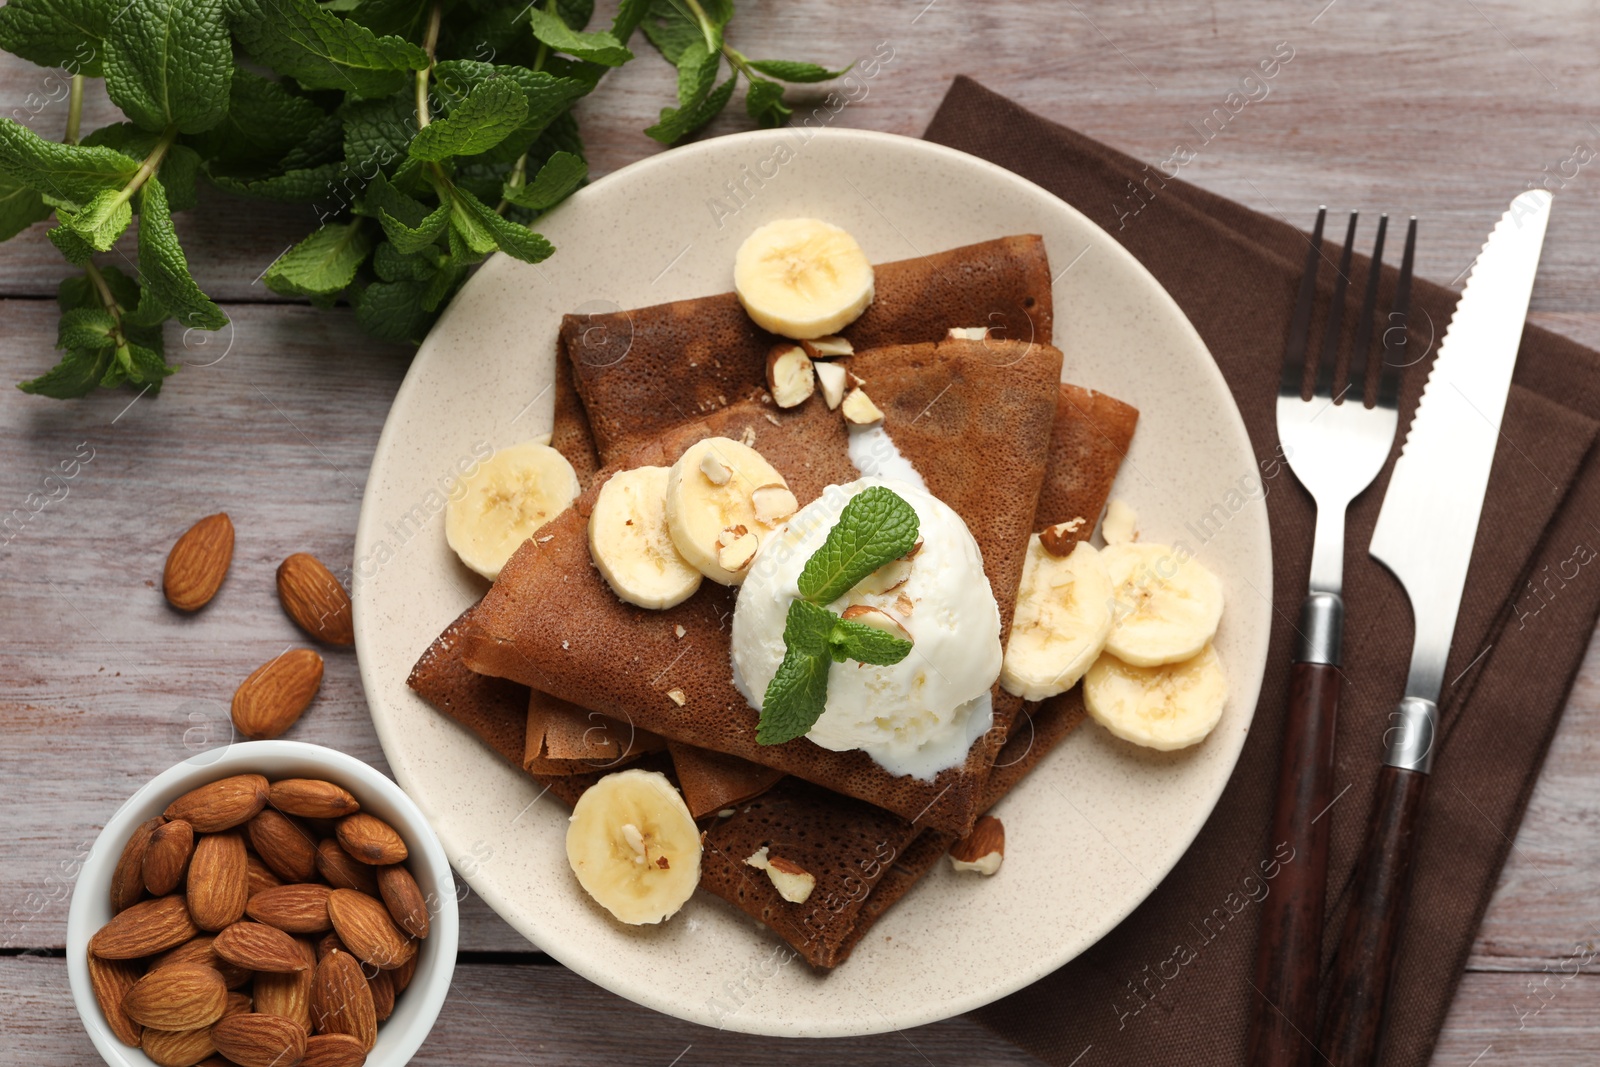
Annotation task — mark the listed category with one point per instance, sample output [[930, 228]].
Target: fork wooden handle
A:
[[1364, 963], [1283, 1009]]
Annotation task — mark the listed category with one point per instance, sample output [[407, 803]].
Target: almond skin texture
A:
[[294, 909], [127, 880], [111, 980], [403, 975], [342, 871], [221, 805], [363, 924], [370, 839], [315, 600], [259, 947], [259, 874], [284, 845], [382, 985], [198, 563], [185, 996], [146, 928], [219, 880], [256, 1040], [166, 858], [289, 995], [311, 798], [182, 1048], [329, 943], [334, 1050], [404, 899], [341, 1000], [276, 694], [200, 951]]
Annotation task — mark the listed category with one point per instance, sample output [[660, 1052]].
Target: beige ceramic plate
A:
[[1089, 834]]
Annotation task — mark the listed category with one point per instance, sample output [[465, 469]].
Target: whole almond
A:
[[127, 880], [312, 798], [144, 929], [166, 858], [363, 924], [181, 997], [334, 1050], [276, 694], [111, 980], [183, 1048], [382, 985], [403, 975], [315, 600], [294, 909], [341, 1000], [257, 1040], [342, 871], [284, 845], [258, 947], [219, 880], [404, 899], [221, 805], [327, 943], [370, 840], [289, 995], [260, 876], [198, 563], [200, 951]]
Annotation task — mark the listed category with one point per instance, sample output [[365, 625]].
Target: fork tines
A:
[[1293, 382]]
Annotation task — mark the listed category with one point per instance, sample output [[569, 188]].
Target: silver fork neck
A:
[[1327, 549]]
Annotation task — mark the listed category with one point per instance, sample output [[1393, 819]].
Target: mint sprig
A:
[[876, 527]]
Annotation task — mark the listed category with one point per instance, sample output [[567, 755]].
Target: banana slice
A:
[[1166, 605], [802, 278], [1062, 619], [505, 501], [1166, 707], [710, 508], [631, 545], [634, 846]]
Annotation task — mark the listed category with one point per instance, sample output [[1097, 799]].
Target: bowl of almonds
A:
[[280, 903]]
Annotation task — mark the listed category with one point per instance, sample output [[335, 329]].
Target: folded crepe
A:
[[973, 417], [640, 372]]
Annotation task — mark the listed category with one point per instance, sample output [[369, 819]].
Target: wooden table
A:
[[1440, 108]]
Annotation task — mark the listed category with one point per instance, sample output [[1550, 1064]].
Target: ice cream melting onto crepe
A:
[[919, 716]]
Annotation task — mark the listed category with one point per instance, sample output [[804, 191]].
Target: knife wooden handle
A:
[[1364, 962], [1283, 1007]]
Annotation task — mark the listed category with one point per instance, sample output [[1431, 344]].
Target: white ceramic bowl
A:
[[415, 1010]]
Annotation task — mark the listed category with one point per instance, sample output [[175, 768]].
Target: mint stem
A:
[[74, 110], [430, 42]]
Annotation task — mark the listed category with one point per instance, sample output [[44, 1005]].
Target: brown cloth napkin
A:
[[1171, 983]]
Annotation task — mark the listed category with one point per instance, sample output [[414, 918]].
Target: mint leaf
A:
[[798, 692], [764, 103], [322, 264], [597, 47], [179, 166], [875, 527], [866, 644], [556, 180], [672, 28], [409, 238], [321, 50], [79, 292], [676, 123], [145, 366], [78, 374], [393, 311], [74, 248], [485, 230], [265, 121], [393, 265], [697, 72], [56, 33], [292, 187], [629, 14], [71, 173], [575, 13], [168, 63], [489, 114], [20, 207], [789, 71], [102, 221], [85, 328], [162, 263]]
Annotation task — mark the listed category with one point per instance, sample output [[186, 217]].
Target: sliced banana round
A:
[[802, 278], [630, 542], [505, 501], [1063, 616], [711, 512], [1171, 706], [1166, 605], [634, 846]]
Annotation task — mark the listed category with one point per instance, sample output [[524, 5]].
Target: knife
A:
[[1424, 536]]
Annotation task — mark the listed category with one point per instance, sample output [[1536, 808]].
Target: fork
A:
[[1335, 444]]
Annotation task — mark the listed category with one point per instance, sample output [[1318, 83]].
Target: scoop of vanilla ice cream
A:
[[921, 715]]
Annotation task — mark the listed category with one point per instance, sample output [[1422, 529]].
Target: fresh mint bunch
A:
[[876, 527], [424, 134]]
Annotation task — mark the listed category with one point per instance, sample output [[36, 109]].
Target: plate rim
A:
[[1040, 965]]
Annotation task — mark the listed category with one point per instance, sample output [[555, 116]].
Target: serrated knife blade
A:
[[1429, 518]]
